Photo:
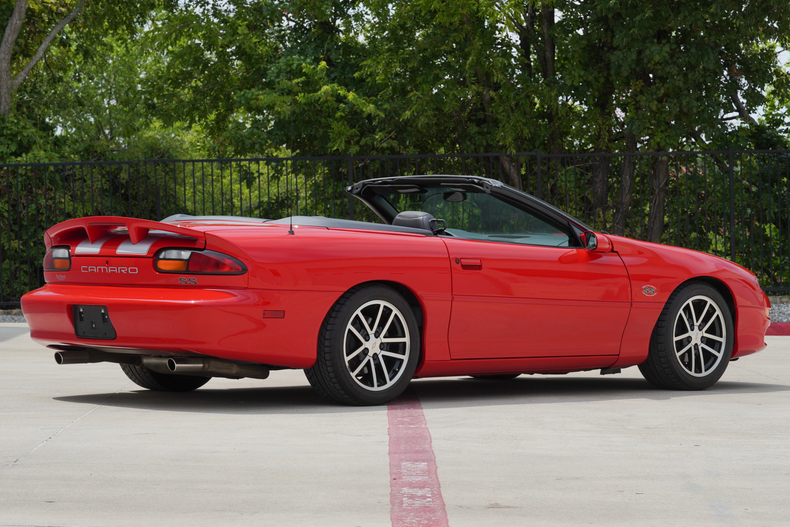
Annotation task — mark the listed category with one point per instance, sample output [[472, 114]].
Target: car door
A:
[[523, 286], [512, 300]]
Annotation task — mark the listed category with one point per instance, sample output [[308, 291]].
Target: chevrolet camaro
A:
[[463, 276]]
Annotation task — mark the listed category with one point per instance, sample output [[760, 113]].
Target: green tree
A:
[[100, 109], [262, 76], [26, 54], [46, 45]]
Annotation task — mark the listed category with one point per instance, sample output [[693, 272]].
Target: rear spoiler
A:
[[96, 227]]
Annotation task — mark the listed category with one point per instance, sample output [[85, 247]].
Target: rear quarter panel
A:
[[315, 266]]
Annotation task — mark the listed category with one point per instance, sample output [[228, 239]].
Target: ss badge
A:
[[649, 290], [187, 280]]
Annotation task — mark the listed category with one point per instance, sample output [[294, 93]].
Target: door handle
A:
[[471, 264]]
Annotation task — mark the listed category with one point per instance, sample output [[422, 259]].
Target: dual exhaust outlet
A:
[[205, 367], [197, 366]]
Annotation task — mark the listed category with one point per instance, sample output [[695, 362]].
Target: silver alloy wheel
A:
[[700, 335], [376, 345]]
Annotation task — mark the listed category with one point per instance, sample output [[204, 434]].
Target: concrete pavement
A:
[[80, 445]]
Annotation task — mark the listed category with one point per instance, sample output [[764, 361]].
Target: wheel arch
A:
[[411, 299], [720, 287], [409, 296], [404, 291]]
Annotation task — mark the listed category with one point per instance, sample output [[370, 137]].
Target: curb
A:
[[778, 328]]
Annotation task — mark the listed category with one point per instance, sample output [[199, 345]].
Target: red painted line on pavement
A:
[[415, 493], [778, 328]]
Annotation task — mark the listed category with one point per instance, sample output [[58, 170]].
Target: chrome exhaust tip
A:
[[212, 367], [75, 357]]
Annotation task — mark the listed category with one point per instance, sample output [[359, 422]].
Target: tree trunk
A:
[[9, 84], [10, 35], [599, 194], [742, 112], [514, 177], [526, 38], [658, 184], [548, 49], [5, 97], [604, 106], [548, 60], [626, 185]]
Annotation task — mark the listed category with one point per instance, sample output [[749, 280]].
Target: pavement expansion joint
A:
[[53, 436]]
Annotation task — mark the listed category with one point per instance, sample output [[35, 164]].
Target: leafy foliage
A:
[[193, 79], [270, 77]]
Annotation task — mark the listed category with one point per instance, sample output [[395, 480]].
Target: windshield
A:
[[474, 214]]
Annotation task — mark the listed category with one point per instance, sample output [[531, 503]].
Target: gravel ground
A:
[[780, 313]]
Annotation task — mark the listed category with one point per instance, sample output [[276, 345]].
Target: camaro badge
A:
[[649, 290]]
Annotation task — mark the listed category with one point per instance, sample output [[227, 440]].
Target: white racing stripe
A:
[[141, 248], [127, 247], [86, 247]]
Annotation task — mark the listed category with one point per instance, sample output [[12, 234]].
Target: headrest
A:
[[414, 218]]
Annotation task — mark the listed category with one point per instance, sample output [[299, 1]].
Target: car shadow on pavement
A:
[[263, 400], [449, 392]]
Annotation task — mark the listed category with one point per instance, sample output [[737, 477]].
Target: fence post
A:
[[350, 183], [540, 179], [2, 230], [732, 204], [157, 196]]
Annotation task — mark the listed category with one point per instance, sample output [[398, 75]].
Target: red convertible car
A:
[[464, 276]]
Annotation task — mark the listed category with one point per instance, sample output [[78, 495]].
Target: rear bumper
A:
[[225, 323]]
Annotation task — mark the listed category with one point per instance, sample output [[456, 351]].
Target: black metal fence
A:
[[734, 204]]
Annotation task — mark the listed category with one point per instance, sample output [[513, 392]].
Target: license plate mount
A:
[[93, 322]]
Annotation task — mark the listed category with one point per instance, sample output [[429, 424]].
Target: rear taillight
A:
[[172, 261], [57, 259], [197, 262]]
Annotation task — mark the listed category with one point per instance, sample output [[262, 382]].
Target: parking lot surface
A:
[[82, 446]]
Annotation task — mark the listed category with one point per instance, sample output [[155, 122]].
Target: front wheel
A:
[[692, 341], [368, 348]]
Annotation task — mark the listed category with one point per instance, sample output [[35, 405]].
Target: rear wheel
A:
[[368, 348], [692, 340], [162, 382]]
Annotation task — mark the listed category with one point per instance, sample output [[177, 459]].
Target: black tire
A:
[[705, 334], [162, 382], [500, 377], [382, 370]]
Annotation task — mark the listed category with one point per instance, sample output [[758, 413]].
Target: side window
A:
[[480, 216]]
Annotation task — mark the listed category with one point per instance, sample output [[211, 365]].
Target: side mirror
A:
[[437, 225], [598, 243]]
